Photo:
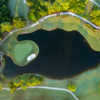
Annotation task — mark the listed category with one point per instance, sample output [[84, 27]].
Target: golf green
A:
[[22, 50]]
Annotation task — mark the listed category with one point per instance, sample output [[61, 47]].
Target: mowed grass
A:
[[42, 94], [70, 23], [22, 50], [18, 51], [5, 95], [88, 85]]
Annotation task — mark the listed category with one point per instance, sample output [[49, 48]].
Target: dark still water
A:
[[62, 54]]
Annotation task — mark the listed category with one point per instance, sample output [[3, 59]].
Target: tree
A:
[[37, 10], [18, 23], [29, 3], [4, 11], [72, 87], [6, 27], [32, 16], [95, 17], [1, 86]]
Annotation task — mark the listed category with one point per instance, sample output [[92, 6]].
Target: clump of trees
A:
[[7, 22], [40, 8], [37, 9], [6, 27], [24, 81], [58, 6], [18, 22], [78, 6], [95, 15], [5, 17], [4, 12]]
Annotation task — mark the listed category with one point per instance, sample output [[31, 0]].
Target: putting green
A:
[[22, 50]]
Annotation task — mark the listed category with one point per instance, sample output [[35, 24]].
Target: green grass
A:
[[42, 94], [88, 85], [18, 51], [22, 50], [5, 95]]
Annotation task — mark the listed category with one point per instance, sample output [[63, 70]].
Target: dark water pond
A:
[[62, 54]]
